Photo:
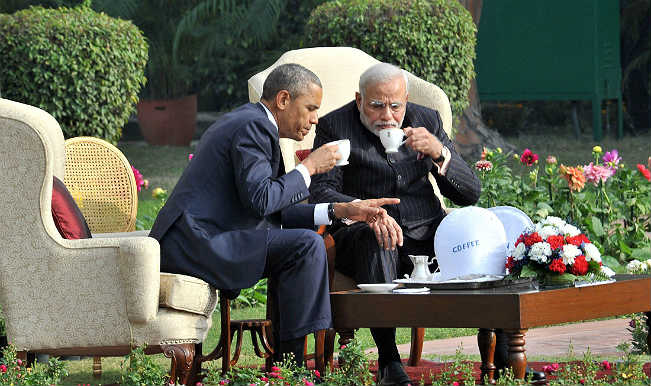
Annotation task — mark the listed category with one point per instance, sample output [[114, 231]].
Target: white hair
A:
[[380, 73]]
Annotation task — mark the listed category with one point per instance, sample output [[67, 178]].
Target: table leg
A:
[[517, 357], [486, 341]]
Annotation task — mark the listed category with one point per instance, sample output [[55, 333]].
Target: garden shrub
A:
[[433, 39], [140, 369], [84, 68]]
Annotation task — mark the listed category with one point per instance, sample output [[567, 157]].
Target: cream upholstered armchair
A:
[[95, 296], [339, 69]]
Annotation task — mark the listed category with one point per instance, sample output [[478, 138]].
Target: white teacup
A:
[[343, 150], [391, 139]]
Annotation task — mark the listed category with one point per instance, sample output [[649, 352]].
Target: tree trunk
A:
[[472, 134]]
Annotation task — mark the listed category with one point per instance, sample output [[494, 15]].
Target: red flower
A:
[[317, 373], [555, 242], [645, 172], [519, 240], [576, 240], [531, 239], [3, 368], [528, 157], [510, 263], [606, 365], [557, 266], [580, 266]]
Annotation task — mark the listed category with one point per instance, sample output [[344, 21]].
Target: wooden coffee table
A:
[[513, 310]]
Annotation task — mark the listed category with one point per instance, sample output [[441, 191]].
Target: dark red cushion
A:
[[66, 214], [302, 154]]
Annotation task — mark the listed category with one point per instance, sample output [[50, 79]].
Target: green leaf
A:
[[597, 227], [527, 271]]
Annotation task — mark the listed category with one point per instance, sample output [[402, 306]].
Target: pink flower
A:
[[223, 382], [190, 156], [555, 366], [3, 368], [140, 181], [20, 362], [317, 373], [484, 166], [264, 379], [606, 365], [307, 383], [343, 346], [455, 383], [198, 384], [596, 173], [551, 160], [612, 158], [528, 157], [275, 369]]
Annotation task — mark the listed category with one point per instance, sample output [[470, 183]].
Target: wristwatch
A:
[[331, 212]]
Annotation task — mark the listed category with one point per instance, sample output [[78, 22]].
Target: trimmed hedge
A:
[[433, 39], [84, 68]]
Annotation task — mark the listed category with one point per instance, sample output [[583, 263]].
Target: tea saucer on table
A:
[[380, 287]]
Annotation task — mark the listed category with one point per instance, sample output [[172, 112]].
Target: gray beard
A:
[[370, 127]]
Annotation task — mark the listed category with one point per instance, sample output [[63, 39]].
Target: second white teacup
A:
[[391, 139], [343, 150]]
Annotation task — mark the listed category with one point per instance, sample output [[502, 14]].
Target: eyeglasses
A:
[[379, 105]]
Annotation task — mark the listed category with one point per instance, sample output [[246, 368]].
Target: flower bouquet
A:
[[557, 254]]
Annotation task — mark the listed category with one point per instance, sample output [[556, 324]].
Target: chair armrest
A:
[[144, 233], [139, 268]]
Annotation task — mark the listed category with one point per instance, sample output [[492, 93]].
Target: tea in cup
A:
[[343, 150], [391, 139]]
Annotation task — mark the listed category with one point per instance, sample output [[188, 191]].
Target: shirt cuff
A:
[[321, 214], [306, 175], [448, 157]]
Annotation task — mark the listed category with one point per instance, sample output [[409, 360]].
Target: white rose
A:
[[570, 230], [540, 251], [547, 231], [569, 253], [554, 221], [518, 253], [634, 266], [609, 272], [592, 252]]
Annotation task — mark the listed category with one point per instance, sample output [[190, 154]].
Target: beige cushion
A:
[[187, 293]]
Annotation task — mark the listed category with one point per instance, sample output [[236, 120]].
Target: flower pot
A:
[[168, 122]]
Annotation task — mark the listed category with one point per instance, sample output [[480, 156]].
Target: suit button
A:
[[399, 177]]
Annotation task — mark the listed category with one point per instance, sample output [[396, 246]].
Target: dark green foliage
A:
[[83, 67], [433, 39]]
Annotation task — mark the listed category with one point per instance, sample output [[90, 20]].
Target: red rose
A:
[[555, 242], [510, 263], [532, 239], [557, 266], [580, 266]]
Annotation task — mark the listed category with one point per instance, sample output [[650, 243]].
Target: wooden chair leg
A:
[[225, 311], [329, 347], [184, 366], [97, 367], [319, 357], [416, 350]]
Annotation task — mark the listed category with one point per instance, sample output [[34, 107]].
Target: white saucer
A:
[[342, 163], [381, 287]]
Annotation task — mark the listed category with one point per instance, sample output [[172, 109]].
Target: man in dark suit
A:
[[377, 253], [222, 223]]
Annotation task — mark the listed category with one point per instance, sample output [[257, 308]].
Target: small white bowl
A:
[[381, 287]]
